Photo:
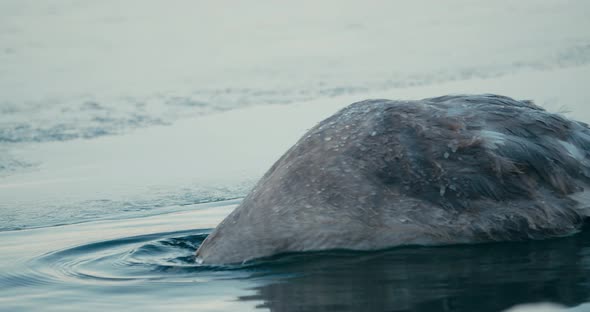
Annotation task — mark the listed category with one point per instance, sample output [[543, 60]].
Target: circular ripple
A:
[[168, 257]]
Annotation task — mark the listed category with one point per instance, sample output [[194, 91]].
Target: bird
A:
[[381, 173]]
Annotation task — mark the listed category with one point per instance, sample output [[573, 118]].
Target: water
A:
[[128, 130], [148, 264]]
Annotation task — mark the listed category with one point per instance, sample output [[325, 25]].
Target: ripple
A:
[[163, 265], [161, 257], [165, 257]]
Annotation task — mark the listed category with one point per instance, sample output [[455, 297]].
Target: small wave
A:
[[429, 278], [158, 257], [170, 257], [36, 214]]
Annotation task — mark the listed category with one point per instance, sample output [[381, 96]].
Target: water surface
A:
[[148, 264], [128, 130]]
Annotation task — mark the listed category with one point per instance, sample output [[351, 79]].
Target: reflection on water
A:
[[148, 264], [487, 277]]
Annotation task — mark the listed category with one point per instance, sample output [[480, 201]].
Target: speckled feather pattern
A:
[[444, 170]]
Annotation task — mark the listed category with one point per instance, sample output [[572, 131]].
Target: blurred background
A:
[[124, 106]]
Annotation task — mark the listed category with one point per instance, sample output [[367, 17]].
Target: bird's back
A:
[[382, 173]]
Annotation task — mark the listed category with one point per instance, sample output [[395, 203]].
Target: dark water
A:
[[48, 269]]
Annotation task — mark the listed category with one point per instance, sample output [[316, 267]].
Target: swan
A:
[[445, 170]]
